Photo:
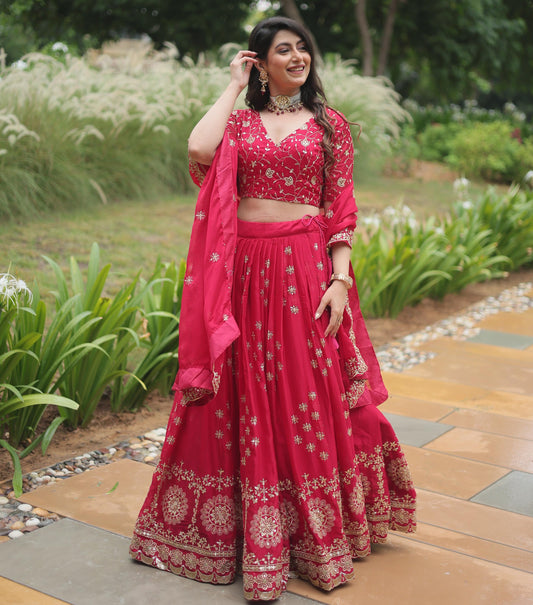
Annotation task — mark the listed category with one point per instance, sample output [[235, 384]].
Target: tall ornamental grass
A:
[[72, 134]]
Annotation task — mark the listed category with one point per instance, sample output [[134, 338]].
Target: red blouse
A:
[[293, 169]]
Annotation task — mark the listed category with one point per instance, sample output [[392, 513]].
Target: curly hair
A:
[[313, 96]]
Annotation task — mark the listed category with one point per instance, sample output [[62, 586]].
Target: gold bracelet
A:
[[345, 279]]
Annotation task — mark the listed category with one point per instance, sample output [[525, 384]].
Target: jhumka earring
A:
[[263, 78]]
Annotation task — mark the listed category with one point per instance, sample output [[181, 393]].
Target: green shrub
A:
[[436, 141], [23, 397], [399, 261], [161, 306], [490, 152]]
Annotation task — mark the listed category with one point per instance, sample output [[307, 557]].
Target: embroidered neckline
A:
[[290, 134]]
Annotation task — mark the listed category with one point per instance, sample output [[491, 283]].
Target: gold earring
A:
[[263, 78]]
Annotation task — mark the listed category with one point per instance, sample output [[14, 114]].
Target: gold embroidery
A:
[[265, 528], [175, 505], [218, 515]]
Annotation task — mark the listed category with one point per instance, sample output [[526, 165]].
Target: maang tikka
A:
[[263, 78]]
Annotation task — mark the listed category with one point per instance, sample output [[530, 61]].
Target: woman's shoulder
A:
[[335, 116], [239, 115]]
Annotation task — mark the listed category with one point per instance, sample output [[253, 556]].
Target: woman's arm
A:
[[207, 134], [335, 296]]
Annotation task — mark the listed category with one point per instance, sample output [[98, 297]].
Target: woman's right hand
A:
[[241, 66]]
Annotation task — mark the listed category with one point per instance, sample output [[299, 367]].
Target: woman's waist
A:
[[272, 211]]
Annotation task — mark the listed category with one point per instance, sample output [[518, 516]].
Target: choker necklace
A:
[[283, 103]]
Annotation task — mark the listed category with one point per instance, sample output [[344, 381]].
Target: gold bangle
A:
[[345, 279]]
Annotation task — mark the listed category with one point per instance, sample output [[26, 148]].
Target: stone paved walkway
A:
[[465, 418]]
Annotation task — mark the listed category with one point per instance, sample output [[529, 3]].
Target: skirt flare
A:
[[279, 472]]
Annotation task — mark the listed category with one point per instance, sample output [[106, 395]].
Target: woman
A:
[[276, 458]]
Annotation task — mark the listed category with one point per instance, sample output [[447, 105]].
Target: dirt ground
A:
[[108, 428]]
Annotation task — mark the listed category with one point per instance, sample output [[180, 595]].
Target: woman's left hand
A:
[[335, 298]]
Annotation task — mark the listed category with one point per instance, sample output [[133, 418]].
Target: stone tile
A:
[[477, 520], [514, 492], [109, 496], [412, 573], [88, 566], [508, 373], [17, 594], [503, 339], [414, 431], [492, 423], [488, 550], [486, 447], [464, 396], [416, 408], [516, 323], [448, 474]]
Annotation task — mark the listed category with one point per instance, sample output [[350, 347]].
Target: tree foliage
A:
[[193, 25], [444, 49]]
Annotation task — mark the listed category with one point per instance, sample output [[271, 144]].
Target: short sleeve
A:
[[198, 171], [340, 175]]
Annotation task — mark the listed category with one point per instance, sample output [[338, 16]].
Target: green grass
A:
[[131, 236]]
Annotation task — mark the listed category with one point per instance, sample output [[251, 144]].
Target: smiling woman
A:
[[276, 458]]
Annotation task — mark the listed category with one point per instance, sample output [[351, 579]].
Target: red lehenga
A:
[[276, 457]]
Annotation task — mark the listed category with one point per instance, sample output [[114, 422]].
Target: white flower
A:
[[467, 204], [371, 222], [460, 185], [20, 64], [11, 287], [528, 178], [59, 47]]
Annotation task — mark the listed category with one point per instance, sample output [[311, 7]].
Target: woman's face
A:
[[287, 63]]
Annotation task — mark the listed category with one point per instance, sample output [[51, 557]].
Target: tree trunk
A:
[[387, 37], [366, 38], [291, 10]]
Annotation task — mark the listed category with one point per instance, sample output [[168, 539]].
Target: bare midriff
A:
[[272, 211]]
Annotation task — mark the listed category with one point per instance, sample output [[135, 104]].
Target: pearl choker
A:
[[283, 103]]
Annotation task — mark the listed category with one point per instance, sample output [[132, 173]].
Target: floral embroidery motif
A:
[[265, 527], [218, 515], [175, 505], [321, 517], [356, 501], [398, 470], [289, 518]]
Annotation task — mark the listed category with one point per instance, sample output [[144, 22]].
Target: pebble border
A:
[[16, 518]]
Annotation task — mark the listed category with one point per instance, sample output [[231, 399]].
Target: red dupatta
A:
[[207, 326]]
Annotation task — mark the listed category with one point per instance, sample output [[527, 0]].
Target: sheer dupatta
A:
[[207, 326]]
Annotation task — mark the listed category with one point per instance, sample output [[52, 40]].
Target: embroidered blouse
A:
[[292, 170]]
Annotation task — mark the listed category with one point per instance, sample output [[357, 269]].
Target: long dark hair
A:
[[313, 96]]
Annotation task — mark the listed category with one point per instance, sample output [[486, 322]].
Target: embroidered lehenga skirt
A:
[[278, 472]]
